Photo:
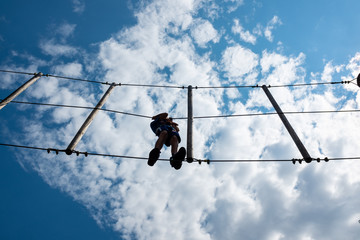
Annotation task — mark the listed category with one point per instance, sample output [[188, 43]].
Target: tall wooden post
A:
[[190, 157], [86, 124], [288, 126], [20, 90]]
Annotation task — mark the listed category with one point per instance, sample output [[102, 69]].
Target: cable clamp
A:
[[52, 149], [296, 160]]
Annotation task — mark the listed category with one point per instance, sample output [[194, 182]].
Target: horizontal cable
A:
[[80, 107], [118, 84], [77, 79], [57, 151], [99, 82], [274, 113], [199, 117], [276, 160], [183, 87], [150, 85], [25, 73], [284, 85]]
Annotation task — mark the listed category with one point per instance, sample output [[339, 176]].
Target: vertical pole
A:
[[190, 157], [20, 90], [288, 126], [86, 124]]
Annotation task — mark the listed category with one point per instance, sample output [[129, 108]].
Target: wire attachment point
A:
[[296, 160]]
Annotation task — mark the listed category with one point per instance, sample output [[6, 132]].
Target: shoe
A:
[[178, 158], [153, 156]]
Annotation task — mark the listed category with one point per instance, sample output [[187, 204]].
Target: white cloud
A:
[[58, 46], [50, 47], [329, 70], [246, 36], [69, 69], [66, 30], [279, 69], [236, 4], [204, 32], [267, 31], [354, 65], [238, 61], [78, 6], [270, 27]]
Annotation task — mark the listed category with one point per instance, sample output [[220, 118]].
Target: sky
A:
[[180, 43]]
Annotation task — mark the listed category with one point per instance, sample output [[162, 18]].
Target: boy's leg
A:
[[177, 156], [161, 140], [155, 153], [174, 144]]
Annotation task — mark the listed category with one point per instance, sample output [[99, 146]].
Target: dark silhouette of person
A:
[[168, 134]]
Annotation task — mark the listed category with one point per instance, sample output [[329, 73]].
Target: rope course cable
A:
[[80, 133], [195, 117], [81, 107], [10, 71], [86, 154], [183, 87]]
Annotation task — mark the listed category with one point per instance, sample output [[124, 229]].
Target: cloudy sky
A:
[[180, 43]]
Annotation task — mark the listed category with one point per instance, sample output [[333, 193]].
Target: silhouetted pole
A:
[[190, 157], [20, 90], [293, 134], [86, 124]]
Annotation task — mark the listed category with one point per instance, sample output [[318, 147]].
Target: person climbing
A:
[[168, 134]]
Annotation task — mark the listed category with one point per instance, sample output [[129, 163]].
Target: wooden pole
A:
[[190, 157], [86, 124], [288, 126], [20, 90]]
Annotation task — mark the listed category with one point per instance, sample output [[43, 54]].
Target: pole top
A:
[[358, 80]]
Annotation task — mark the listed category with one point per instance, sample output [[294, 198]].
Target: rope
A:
[[77, 79], [181, 87], [182, 118], [9, 71], [57, 151], [81, 107]]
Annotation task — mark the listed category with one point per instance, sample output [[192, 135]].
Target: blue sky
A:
[[199, 43]]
